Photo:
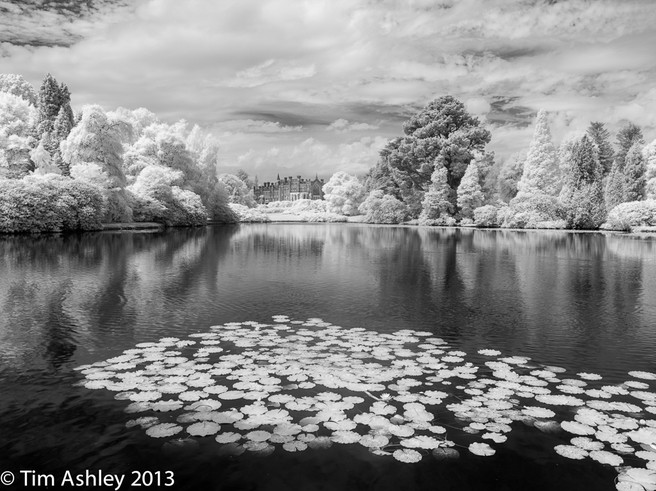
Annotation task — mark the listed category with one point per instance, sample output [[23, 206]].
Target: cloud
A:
[[309, 156], [253, 126], [271, 71], [271, 74], [342, 125]]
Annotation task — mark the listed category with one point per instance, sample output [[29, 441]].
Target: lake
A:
[[325, 322]]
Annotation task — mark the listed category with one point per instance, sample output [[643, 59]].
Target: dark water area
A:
[[584, 302]]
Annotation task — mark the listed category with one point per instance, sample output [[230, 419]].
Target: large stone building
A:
[[289, 189]]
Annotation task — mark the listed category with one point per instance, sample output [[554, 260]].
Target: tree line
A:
[[440, 173], [117, 166]]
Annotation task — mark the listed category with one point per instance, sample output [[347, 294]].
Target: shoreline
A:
[[642, 232], [282, 218]]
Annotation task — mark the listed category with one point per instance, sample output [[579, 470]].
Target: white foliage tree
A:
[[438, 201], [343, 193], [470, 194], [95, 143], [17, 118], [649, 154], [541, 173], [18, 86], [43, 161], [237, 190]]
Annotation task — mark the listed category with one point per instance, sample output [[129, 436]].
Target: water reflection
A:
[[566, 298]]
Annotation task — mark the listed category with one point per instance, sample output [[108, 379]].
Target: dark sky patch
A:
[[281, 117], [38, 23], [505, 112]]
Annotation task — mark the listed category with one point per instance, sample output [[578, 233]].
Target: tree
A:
[[540, 175], [635, 173], [237, 190], [245, 178], [470, 195], [442, 129], [626, 137], [343, 193], [488, 174], [601, 138], [438, 200], [649, 154], [17, 117], [614, 193], [582, 194], [160, 199], [52, 98], [18, 86], [509, 175], [95, 142]]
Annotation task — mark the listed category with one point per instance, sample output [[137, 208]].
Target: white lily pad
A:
[[407, 456]]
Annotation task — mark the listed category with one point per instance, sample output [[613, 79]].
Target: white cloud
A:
[[238, 66], [342, 125], [271, 71], [253, 126]]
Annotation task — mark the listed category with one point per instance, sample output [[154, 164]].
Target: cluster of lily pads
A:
[[309, 384]]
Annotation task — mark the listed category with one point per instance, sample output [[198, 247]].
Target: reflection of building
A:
[[289, 189]]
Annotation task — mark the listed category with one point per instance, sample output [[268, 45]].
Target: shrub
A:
[[486, 216], [530, 210], [442, 221], [632, 214], [326, 216], [308, 205], [49, 203], [246, 214], [383, 208]]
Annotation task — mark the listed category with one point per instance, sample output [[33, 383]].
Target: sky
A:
[[305, 87]]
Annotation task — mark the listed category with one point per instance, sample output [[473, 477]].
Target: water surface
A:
[[584, 302]]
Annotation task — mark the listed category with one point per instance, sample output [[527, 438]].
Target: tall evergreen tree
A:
[[541, 173], [583, 195], [438, 200], [509, 176], [614, 193], [626, 137], [470, 195], [601, 138], [52, 99], [635, 173], [649, 153]]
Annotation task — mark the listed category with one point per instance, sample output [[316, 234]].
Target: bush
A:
[[442, 221], [486, 216], [383, 208], [246, 214], [49, 203], [531, 210], [632, 214], [278, 206], [308, 205], [295, 207], [326, 216]]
